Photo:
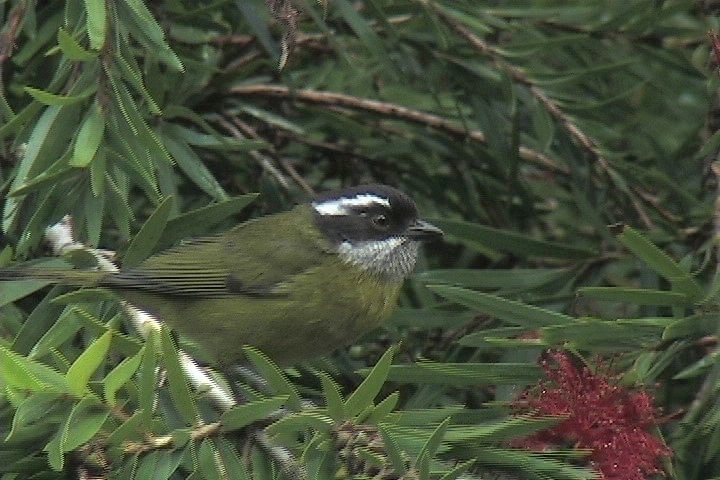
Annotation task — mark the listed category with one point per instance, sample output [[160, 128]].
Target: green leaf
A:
[[147, 378], [48, 129], [159, 465], [275, 378], [194, 168], [33, 411], [134, 428], [144, 242], [364, 394], [72, 49], [85, 365], [520, 279], [333, 399], [22, 373], [608, 336], [466, 374], [458, 470], [180, 393], [120, 375], [638, 296], [363, 30], [433, 443], [130, 72], [85, 420], [510, 311], [209, 461], [259, 27], [395, 455], [15, 290], [383, 409], [481, 338], [96, 23], [66, 326], [149, 33], [243, 415], [200, 221], [89, 137], [289, 427], [659, 261], [52, 99], [697, 325], [511, 242], [234, 466]]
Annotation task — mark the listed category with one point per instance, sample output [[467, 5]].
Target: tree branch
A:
[[390, 110]]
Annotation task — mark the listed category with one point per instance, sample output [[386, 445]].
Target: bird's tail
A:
[[76, 278]]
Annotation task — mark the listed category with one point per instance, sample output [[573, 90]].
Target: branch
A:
[[390, 110]]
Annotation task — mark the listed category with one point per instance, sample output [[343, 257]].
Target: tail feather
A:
[[65, 277]]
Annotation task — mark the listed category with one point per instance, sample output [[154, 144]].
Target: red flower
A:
[[601, 416]]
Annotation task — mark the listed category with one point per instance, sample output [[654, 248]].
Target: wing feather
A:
[[253, 259]]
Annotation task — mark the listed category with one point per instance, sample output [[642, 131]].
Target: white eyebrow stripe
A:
[[340, 206]]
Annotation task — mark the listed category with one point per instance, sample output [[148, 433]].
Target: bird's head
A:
[[375, 227]]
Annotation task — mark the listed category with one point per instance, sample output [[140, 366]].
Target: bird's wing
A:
[[253, 259]]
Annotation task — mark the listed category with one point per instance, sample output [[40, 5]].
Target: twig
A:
[[250, 131], [166, 441], [388, 110], [264, 162]]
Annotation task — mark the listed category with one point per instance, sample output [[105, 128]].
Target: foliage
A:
[[523, 128]]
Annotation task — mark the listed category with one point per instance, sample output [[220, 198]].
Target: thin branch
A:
[[287, 166], [264, 162], [390, 110]]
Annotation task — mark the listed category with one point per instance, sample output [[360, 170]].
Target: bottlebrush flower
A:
[[603, 417]]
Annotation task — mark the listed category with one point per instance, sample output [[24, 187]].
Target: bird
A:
[[295, 285]]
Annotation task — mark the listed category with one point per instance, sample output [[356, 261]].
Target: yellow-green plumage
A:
[[299, 304], [296, 284]]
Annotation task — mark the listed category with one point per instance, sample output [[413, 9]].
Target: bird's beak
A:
[[421, 230]]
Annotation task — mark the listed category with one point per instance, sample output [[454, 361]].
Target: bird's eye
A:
[[381, 221]]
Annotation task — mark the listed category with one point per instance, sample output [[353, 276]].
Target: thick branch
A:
[[390, 110]]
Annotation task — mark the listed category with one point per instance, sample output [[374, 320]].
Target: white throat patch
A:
[[342, 206], [393, 257]]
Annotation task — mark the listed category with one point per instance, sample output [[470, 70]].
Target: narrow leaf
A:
[[71, 48], [120, 375], [333, 399], [508, 241], [659, 261], [85, 365], [177, 381], [510, 311], [89, 137], [638, 296], [144, 242], [96, 23], [245, 414], [48, 98], [276, 379], [364, 395]]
